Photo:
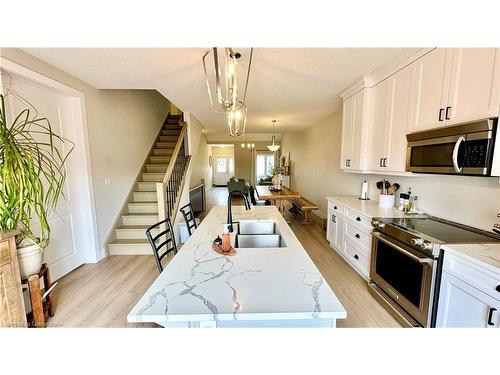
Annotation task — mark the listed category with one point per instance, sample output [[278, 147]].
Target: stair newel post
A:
[[160, 193]]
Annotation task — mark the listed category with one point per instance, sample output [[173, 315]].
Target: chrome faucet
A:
[[229, 209]]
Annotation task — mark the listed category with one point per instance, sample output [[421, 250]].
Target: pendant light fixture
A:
[[273, 147], [228, 100], [236, 121]]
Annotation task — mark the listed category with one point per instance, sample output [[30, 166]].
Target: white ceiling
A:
[[296, 86]]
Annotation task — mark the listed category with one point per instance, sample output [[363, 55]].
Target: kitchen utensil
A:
[[393, 188]]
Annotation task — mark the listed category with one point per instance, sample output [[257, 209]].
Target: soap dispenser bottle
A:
[[226, 240]]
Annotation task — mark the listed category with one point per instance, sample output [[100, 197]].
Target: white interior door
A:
[[66, 250], [223, 169]]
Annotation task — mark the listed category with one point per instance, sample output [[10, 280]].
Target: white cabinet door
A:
[[335, 229], [382, 100], [330, 226], [347, 125], [463, 306], [338, 240], [358, 123], [475, 85], [401, 85], [431, 89]]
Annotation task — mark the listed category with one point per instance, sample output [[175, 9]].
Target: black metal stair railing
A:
[[173, 179]]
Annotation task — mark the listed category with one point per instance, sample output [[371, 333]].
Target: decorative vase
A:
[[30, 257], [276, 180]]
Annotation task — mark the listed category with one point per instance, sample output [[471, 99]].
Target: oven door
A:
[[404, 274]]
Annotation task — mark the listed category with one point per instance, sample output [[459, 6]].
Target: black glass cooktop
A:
[[442, 230]]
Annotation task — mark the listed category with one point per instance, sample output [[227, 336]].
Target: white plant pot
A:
[[30, 260]]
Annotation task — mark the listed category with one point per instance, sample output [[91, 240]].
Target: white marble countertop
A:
[[486, 255], [368, 208], [255, 284]]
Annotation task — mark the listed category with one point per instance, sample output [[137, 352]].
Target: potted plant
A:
[[32, 177], [275, 171]]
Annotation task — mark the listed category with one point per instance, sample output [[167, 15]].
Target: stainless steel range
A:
[[406, 263]]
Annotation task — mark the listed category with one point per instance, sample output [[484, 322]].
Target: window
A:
[[221, 165], [265, 162]]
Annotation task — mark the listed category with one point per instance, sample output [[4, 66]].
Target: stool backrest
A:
[[187, 212], [162, 243]]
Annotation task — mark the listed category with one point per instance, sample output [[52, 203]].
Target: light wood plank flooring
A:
[[102, 294]]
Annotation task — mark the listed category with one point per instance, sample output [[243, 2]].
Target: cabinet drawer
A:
[[336, 208], [363, 221], [357, 234], [357, 256], [473, 274]]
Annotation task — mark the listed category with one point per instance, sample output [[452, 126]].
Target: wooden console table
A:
[[12, 311]]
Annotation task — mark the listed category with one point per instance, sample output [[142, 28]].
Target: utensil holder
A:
[[386, 201]]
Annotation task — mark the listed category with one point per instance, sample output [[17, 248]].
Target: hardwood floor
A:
[[102, 294]]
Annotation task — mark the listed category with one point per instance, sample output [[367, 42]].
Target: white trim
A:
[[93, 252], [382, 72]]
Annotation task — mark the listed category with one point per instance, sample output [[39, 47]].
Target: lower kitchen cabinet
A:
[[349, 235], [463, 306], [335, 226]]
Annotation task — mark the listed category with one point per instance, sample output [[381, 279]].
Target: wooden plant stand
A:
[[39, 306]]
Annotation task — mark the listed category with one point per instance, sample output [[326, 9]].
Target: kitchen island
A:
[[257, 287]]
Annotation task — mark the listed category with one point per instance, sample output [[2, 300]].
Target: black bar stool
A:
[[187, 212], [163, 243]]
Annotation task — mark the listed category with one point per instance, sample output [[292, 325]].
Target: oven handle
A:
[[455, 154], [403, 251]]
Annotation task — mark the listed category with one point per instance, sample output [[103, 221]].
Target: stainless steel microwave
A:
[[466, 149]]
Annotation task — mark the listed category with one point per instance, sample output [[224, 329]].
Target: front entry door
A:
[[66, 249], [224, 169]]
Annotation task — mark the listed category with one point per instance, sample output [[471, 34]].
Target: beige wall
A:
[[200, 168], [122, 125], [244, 158], [315, 160]]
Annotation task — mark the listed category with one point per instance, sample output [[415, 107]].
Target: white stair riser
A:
[[153, 177], [168, 145], [163, 151], [130, 249], [169, 138], [158, 168], [139, 220], [164, 160], [170, 132], [147, 186], [145, 196], [133, 234], [142, 208]]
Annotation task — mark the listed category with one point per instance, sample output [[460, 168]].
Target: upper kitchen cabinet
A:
[[455, 85], [475, 85], [354, 131], [430, 90], [391, 104]]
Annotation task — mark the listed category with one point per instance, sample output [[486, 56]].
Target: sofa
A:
[[236, 183]]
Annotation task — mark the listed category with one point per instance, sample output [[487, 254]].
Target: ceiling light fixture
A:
[[248, 145], [228, 101], [273, 147]]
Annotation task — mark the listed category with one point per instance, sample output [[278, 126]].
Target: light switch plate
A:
[[107, 181]]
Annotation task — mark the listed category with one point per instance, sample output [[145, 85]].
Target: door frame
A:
[[77, 102]]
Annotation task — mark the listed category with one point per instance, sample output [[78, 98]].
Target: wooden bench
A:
[[305, 207]]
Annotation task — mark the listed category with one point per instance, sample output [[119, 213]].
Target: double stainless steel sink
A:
[[258, 234]]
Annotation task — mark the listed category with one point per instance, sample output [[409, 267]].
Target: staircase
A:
[[142, 209]]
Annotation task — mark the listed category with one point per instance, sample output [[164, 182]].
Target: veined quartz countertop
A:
[[368, 208], [200, 285], [487, 255]]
